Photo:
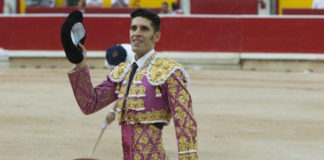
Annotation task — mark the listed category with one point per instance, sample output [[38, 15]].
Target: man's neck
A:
[[140, 61], [140, 55]]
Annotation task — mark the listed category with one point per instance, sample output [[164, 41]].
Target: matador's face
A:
[[142, 36]]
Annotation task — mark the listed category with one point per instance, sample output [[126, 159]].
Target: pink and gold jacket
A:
[[157, 93]]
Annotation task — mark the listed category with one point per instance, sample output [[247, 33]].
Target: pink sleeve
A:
[[88, 98], [184, 121]]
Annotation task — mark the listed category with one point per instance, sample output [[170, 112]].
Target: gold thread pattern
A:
[[161, 69], [186, 127], [148, 143], [157, 92], [133, 104], [117, 75], [191, 156], [148, 116]]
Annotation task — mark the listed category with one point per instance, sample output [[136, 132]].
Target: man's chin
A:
[[136, 49]]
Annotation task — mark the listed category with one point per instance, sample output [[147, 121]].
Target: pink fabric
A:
[[142, 142], [127, 140], [88, 98], [150, 101]]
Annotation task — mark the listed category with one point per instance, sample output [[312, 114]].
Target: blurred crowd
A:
[[160, 6], [78, 3], [165, 7]]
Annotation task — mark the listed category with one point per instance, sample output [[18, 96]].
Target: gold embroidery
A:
[[157, 92], [119, 116], [161, 69], [122, 91], [117, 88], [120, 71], [139, 75], [148, 142], [133, 104], [137, 156], [135, 91], [186, 129], [148, 116], [155, 156], [188, 156], [120, 103], [172, 86]]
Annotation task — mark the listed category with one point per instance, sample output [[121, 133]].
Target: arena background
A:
[[256, 71]]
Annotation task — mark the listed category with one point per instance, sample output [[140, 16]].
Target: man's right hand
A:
[[83, 62], [110, 117]]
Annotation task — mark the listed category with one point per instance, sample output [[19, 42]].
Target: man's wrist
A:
[[80, 65]]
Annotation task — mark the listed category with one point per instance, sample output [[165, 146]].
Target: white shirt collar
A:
[[140, 62]]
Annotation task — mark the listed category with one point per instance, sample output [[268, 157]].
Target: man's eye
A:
[[145, 28], [133, 28]]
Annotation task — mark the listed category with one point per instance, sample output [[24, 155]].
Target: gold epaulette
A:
[[161, 68], [119, 72]]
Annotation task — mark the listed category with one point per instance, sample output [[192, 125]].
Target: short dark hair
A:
[[149, 14]]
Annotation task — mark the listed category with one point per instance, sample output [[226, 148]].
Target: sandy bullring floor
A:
[[242, 115]]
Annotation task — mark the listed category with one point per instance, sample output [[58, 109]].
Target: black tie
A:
[[131, 76]]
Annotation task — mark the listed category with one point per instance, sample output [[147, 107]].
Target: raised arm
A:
[[90, 99]]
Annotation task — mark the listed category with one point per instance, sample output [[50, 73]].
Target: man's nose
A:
[[137, 32]]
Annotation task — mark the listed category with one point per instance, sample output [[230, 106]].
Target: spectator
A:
[[9, 6], [165, 8], [43, 3], [93, 3], [176, 9], [318, 4], [40, 3], [73, 3], [119, 3]]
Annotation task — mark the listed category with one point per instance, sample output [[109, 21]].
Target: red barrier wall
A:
[[208, 34], [224, 6], [302, 11], [299, 35], [43, 33]]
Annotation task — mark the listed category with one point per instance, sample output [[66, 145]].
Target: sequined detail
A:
[[133, 117], [186, 126], [137, 89], [189, 156], [117, 88], [139, 76], [148, 143], [161, 69], [158, 92], [135, 104], [119, 72]]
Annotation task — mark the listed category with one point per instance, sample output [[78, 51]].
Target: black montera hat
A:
[[73, 32]]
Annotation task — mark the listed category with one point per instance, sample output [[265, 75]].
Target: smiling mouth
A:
[[137, 42]]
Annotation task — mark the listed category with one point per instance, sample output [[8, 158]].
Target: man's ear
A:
[[157, 36]]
